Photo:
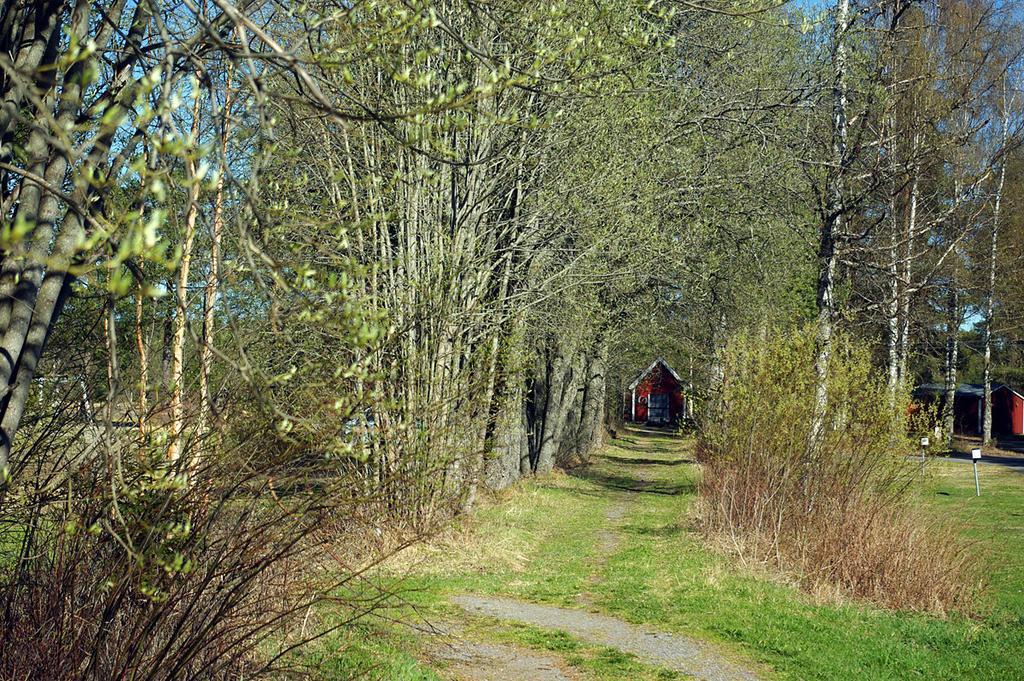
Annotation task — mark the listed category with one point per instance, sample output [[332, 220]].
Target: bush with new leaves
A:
[[838, 517]]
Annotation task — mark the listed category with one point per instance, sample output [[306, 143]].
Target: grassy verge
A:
[[541, 543]]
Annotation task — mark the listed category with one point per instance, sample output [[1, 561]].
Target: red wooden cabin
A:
[[655, 396], [969, 405], [1007, 411]]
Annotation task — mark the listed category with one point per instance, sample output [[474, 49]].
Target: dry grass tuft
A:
[[460, 547]]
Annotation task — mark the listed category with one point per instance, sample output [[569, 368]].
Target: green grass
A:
[[994, 522], [541, 542], [369, 649]]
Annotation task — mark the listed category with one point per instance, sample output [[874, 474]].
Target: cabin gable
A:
[[655, 396]]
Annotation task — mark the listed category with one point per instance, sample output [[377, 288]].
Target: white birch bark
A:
[[213, 273], [831, 228], [990, 294], [952, 350], [908, 263], [177, 407]]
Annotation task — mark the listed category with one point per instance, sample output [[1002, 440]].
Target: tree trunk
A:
[[52, 295], [113, 380], [527, 423], [893, 305], [990, 294], [166, 343], [592, 417], [213, 273], [889, 139], [562, 385], [492, 397], [22, 273], [719, 335], [181, 296], [553, 379], [831, 228], [506, 464], [140, 345], [952, 349], [908, 261]]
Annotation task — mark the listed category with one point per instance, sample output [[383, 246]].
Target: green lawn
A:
[[543, 541]]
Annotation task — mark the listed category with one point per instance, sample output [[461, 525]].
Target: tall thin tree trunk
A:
[[181, 296], [166, 343], [491, 402], [908, 262], [831, 228], [213, 273], [113, 380], [953, 304], [893, 304], [990, 294], [140, 345], [890, 140], [952, 350]]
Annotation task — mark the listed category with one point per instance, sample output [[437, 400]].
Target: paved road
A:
[[1014, 462], [1011, 444]]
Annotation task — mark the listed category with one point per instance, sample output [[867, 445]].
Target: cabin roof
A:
[[964, 389], [649, 369]]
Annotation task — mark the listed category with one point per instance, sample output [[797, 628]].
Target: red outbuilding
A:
[[969, 407], [1007, 411], [655, 396]]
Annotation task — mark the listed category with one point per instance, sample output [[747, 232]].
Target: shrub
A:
[[837, 517], [126, 566]]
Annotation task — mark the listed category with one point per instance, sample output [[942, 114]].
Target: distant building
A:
[[655, 396], [969, 407]]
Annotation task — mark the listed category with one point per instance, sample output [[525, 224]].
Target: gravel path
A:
[[487, 661], [495, 662], [673, 651]]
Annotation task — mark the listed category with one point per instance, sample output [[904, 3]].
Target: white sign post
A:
[[924, 452], [975, 455]]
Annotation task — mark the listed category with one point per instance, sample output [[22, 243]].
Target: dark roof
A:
[[976, 390]]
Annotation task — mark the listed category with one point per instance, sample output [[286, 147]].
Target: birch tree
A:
[[1005, 109], [832, 219]]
